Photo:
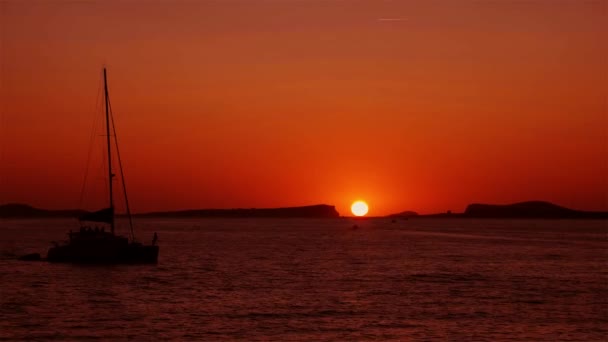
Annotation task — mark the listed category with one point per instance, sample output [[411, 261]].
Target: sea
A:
[[316, 280]]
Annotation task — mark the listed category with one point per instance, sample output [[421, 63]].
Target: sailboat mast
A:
[[110, 175]]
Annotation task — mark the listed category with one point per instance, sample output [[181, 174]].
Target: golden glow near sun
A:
[[359, 208]]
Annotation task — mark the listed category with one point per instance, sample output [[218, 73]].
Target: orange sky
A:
[[410, 105]]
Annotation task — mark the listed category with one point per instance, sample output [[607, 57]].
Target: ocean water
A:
[[317, 280]]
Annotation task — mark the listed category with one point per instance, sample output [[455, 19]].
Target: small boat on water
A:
[[98, 245]]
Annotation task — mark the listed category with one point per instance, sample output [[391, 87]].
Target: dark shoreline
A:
[[17, 211], [522, 210]]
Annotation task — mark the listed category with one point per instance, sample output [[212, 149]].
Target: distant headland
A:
[[17, 210], [521, 210], [313, 211]]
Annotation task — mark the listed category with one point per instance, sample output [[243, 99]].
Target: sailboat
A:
[[98, 245]]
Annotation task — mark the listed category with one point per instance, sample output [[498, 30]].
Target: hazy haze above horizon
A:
[[409, 105]]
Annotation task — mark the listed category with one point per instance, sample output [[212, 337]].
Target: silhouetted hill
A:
[[404, 214], [16, 210], [531, 209], [319, 211]]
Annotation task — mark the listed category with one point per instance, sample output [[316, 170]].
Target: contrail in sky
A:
[[391, 19]]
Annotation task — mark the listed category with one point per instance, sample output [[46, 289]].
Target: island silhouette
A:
[[319, 211], [520, 210], [16, 210]]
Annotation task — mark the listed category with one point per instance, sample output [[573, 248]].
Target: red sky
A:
[[409, 105]]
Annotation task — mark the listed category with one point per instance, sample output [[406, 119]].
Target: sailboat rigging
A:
[[99, 246]]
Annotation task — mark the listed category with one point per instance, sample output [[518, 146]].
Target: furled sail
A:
[[104, 215]]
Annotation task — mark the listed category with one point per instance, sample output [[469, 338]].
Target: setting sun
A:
[[359, 208]]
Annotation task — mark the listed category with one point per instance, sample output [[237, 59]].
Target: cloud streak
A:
[[391, 19]]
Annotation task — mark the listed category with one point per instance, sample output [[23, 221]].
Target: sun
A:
[[359, 208]]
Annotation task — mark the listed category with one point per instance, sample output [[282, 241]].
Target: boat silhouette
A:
[[96, 245]]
